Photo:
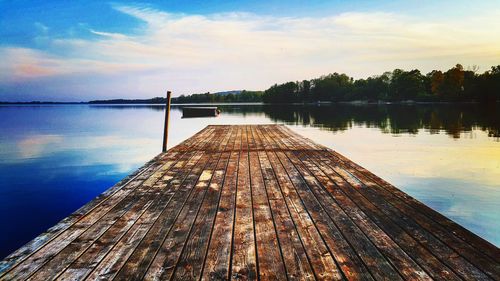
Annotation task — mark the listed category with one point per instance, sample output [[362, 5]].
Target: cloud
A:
[[41, 27], [109, 35], [41, 145], [194, 53], [34, 146]]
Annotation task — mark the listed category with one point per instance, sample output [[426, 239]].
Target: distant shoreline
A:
[[132, 102], [39, 102], [125, 103]]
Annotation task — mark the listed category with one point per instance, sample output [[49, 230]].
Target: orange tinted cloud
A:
[[197, 53]]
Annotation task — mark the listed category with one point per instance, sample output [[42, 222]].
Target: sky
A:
[[84, 50]]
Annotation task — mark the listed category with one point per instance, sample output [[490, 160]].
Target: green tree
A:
[[453, 84], [406, 85], [437, 79]]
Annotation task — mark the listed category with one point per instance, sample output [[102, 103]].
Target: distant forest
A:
[[455, 84], [231, 96], [243, 96]]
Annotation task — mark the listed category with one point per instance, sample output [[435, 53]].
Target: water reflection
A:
[[453, 119], [54, 159]]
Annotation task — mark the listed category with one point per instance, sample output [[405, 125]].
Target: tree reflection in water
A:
[[453, 119]]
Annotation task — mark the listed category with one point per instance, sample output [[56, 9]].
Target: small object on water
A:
[[189, 112]]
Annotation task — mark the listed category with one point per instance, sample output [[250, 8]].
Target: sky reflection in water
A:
[[54, 159]]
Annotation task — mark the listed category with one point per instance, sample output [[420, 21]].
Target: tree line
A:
[[455, 84], [243, 96]]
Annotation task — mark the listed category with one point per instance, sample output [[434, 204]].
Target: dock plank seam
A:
[[473, 270], [413, 274]]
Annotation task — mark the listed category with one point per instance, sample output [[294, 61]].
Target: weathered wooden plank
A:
[[320, 257], [349, 197], [217, 260], [466, 269], [104, 232], [117, 215], [259, 144], [488, 251], [270, 261], [294, 255], [351, 215], [162, 266], [139, 261], [46, 252], [123, 245], [96, 242], [218, 257], [345, 233], [349, 262], [243, 261], [447, 255], [338, 206], [12, 266], [254, 202], [24, 252], [190, 263], [295, 258], [269, 144], [305, 142], [237, 141]]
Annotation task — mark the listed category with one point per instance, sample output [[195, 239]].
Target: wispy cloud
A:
[[118, 36], [190, 53], [35, 145], [42, 145], [41, 27]]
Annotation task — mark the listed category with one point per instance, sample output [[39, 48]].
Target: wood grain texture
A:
[[244, 262], [254, 202]]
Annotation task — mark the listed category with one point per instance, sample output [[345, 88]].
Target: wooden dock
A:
[[249, 202]]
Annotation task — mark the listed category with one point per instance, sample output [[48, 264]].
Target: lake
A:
[[56, 158]]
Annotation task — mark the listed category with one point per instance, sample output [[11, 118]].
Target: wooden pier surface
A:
[[248, 202]]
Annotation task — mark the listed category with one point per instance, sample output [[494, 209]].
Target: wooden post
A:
[[167, 117]]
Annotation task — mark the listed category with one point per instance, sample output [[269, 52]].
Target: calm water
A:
[[54, 159]]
